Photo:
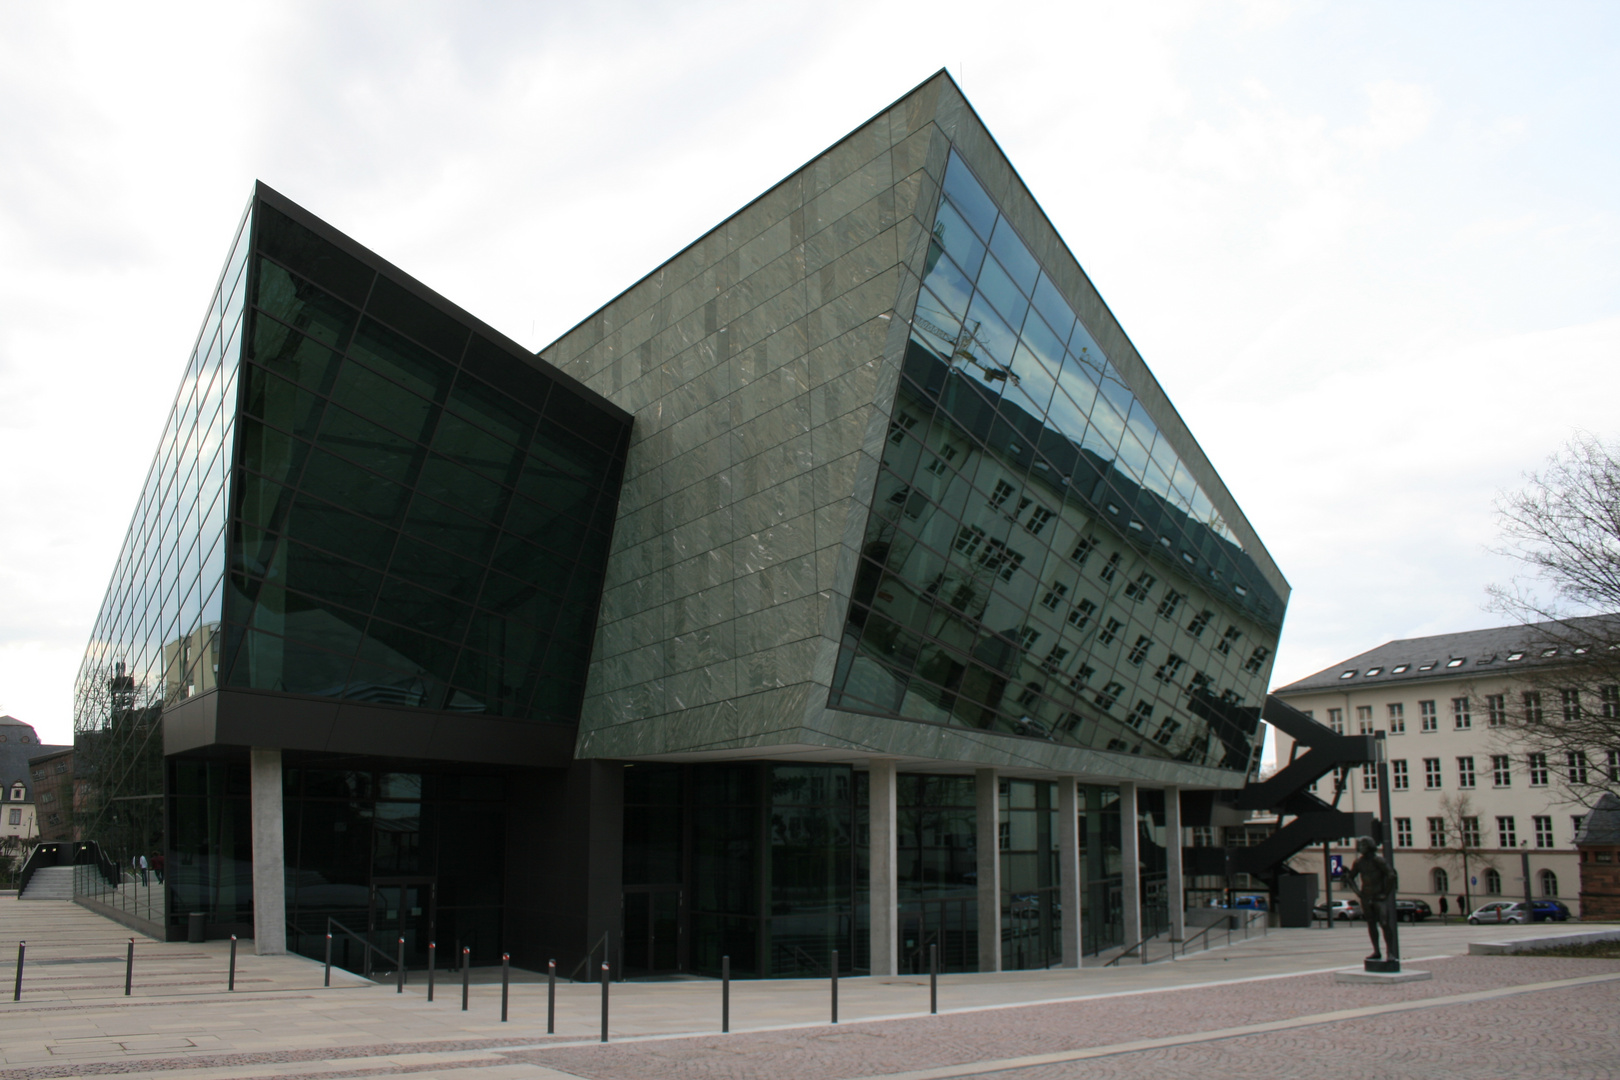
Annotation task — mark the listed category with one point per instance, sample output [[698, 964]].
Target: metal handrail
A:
[[370, 948], [573, 976], [1140, 945], [821, 969], [1226, 920]]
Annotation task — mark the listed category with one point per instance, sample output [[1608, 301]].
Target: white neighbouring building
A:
[[1444, 702]]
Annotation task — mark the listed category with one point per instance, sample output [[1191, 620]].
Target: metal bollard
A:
[[433, 952], [725, 994], [933, 980], [129, 967], [551, 997], [16, 993], [399, 965], [604, 1000], [506, 979], [230, 983], [466, 961], [835, 986], [328, 959]]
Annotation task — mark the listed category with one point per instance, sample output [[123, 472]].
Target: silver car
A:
[[1500, 911]]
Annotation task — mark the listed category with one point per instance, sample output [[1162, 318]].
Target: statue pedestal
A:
[[1382, 977]]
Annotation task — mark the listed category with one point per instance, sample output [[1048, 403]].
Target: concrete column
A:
[[1069, 868], [269, 855], [1130, 862], [1172, 850], [884, 869], [987, 846]]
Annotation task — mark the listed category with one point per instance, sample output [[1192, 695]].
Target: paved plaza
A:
[[1264, 1007]]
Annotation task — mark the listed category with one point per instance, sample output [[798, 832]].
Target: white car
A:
[[1500, 911]]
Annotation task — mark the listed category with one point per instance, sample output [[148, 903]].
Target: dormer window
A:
[[1515, 656], [1374, 671], [18, 793], [1348, 674], [1456, 661], [1399, 669]]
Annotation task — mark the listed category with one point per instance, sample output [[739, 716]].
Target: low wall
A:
[[1576, 937]]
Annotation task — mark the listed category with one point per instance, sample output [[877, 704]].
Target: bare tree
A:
[[1563, 527], [1461, 842]]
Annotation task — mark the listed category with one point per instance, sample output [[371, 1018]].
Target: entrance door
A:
[[652, 931], [402, 908]]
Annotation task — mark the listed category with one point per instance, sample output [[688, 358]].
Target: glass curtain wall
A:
[[421, 518], [1031, 919], [1155, 858], [1039, 561], [1102, 924], [937, 871], [156, 637]]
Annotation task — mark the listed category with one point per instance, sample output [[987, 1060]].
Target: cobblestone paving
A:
[[899, 1046]]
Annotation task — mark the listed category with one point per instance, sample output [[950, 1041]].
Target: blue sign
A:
[[1336, 864]]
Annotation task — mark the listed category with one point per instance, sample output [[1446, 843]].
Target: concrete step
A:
[[50, 883]]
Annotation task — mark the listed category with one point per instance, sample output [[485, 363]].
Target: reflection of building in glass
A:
[[852, 545]]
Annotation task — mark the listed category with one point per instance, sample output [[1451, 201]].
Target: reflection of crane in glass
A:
[[962, 349]]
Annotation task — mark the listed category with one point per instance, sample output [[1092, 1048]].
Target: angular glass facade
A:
[[1039, 561], [421, 518]]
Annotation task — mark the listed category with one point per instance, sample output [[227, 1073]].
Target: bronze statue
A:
[[1374, 881]]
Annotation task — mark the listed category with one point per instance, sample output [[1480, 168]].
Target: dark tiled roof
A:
[[1602, 824], [14, 755], [1482, 652]]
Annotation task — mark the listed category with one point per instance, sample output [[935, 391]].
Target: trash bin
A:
[[194, 927]]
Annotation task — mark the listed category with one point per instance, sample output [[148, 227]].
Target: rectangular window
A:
[[1369, 778], [968, 539], [1001, 494], [1532, 707], [1470, 832], [1228, 639], [1139, 651], [1538, 770], [1577, 766], [1257, 660], [1461, 719], [1140, 714], [1501, 770], [899, 426], [1200, 622], [1138, 589], [1543, 824], [1108, 695], [1507, 832], [1037, 520], [1397, 719], [15, 817], [1172, 600], [1203, 836], [1083, 549], [1609, 701], [1110, 631], [946, 455], [1110, 568], [1054, 660], [1167, 731], [1082, 677], [1403, 832], [1575, 823], [1614, 765], [1336, 721], [1465, 772], [1429, 720], [1495, 710], [1437, 832], [1364, 720], [1570, 702], [1170, 670], [1027, 637], [1082, 613], [1054, 596], [1030, 695], [1431, 773], [1399, 780]]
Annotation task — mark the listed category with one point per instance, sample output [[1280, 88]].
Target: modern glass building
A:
[[847, 583]]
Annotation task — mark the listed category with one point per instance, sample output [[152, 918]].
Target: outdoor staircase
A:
[[50, 883]]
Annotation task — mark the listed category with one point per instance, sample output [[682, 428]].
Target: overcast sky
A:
[[1368, 249]]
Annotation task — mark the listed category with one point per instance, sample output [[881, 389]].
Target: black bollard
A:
[[230, 982], [835, 986], [129, 967], [506, 980], [16, 993], [933, 980], [466, 961], [551, 997], [725, 994], [433, 952], [604, 999], [399, 973], [328, 959]]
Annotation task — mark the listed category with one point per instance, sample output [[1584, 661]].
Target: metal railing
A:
[[602, 942], [1143, 946], [367, 947], [1248, 917]]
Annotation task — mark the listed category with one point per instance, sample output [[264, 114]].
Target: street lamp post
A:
[[1524, 868]]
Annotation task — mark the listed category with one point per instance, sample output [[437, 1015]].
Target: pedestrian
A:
[[157, 865], [1462, 907], [141, 860], [1443, 909]]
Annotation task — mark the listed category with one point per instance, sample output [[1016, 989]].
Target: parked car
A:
[[1411, 910], [1500, 911], [1343, 910], [1550, 911]]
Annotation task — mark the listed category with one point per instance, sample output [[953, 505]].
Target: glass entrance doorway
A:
[[652, 931], [403, 907]]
